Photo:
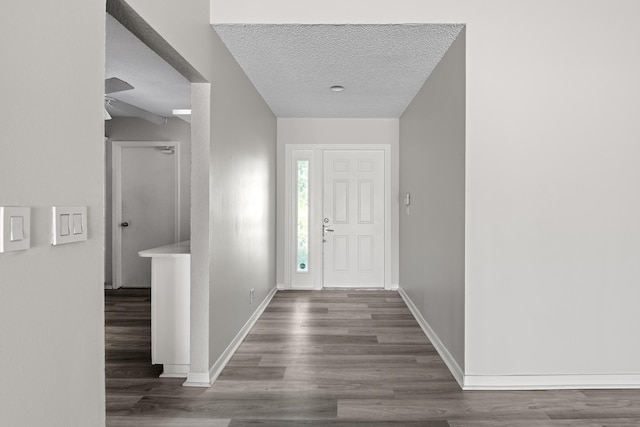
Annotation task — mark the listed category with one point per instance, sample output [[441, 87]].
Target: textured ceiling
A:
[[159, 88], [382, 67]]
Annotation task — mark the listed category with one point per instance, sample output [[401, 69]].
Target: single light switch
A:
[[77, 223], [69, 224], [15, 228], [64, 225]]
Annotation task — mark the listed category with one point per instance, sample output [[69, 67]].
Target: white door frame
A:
[[116, 198], [313, 152]]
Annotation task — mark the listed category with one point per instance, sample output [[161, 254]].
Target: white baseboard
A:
[[197, 379], [204, 380], [519, 382], [550, 382], [280, 287], [174, 371], [451, 363]]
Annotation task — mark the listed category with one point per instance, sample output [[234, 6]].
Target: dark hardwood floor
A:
[[329, 358]]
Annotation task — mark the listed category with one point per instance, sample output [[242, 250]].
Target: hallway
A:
[[333, 357]]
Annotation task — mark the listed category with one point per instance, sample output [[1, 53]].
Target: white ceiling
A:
[[158, 87], [382, 67]]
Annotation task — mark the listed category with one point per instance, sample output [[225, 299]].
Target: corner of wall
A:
[[443, 351]]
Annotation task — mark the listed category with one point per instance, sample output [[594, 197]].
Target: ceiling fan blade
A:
[[114, 85], [134, 111]]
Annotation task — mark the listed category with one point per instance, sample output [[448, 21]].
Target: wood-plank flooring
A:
[[328, 358]]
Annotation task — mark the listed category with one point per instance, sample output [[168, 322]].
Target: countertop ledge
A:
[[181, 249]]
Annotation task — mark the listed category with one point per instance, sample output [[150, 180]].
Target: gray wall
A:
[[432, 155], [51, 140], [135, 129], [243, 200], [234, 205]]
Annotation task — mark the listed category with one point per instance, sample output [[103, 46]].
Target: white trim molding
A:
[[197, 379], [442, 350], [207, 380], [550, 382]]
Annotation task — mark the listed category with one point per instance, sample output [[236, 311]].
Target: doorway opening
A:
[[153, 146], [146, 100]]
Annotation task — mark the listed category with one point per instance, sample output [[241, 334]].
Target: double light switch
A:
[[69, 224], [15, 228]]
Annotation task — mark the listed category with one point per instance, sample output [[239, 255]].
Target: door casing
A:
[[314, 152]]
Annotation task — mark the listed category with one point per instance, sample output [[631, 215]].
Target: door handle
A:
[[124, 224], [326, 229]]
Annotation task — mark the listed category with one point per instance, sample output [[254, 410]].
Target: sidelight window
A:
[[302, 234]]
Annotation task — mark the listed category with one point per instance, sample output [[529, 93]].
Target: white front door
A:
[[353, 218]]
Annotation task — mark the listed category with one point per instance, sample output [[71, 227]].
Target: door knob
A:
[[125, 224]]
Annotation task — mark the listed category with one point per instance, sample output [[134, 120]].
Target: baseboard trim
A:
[[174, 371], [519, 382], [224, 358], [551, 382], [442, 350], [197, 379]]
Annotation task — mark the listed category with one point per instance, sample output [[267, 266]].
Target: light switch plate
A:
[[15, 228], [68, 224]]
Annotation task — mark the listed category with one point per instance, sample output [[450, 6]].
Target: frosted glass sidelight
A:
[[302, 231]]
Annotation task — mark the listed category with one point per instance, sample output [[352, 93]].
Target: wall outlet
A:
[[251, 295]]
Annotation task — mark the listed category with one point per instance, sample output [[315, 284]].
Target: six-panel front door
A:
[[353, 218]]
